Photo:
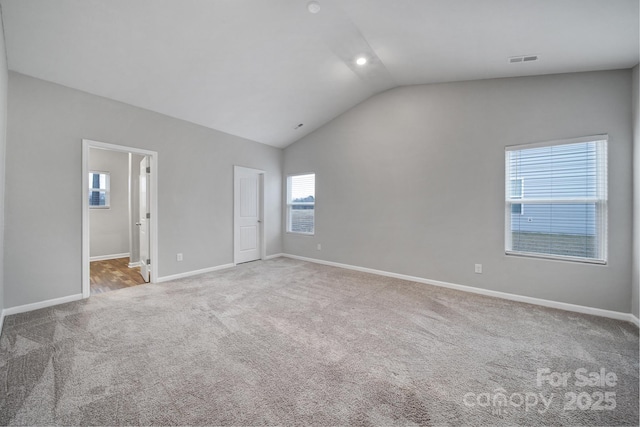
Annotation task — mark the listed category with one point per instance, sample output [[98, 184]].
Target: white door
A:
[[247, 215], [143, 223]]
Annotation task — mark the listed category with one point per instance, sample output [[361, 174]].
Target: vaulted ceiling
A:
[[259, 68]]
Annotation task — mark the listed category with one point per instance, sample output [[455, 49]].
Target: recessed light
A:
[[361, 60], [313, 6]]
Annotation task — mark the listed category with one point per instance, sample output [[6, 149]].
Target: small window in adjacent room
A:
[[99, 189], [566, 199], [301, 201]]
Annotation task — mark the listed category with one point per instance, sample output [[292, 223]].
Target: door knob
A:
[[138, 223]]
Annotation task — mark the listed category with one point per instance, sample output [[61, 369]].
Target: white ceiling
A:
[[257, 68]]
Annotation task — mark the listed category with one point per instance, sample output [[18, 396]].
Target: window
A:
[[565, 198], [99, 189], [301, 201]]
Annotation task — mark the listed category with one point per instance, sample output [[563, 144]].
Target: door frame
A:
[[142, 217], [88, 144], [262, 216]]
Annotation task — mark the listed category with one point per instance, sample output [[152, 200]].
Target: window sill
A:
[[298, 233], [556, 258]]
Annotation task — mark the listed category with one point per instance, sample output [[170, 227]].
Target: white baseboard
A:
[[628, 317], [503, 295], [193, 273], [106, 257], [268, 257], [76, 297], [135, 264], [42, 304]]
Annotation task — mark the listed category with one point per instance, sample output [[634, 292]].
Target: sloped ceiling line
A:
[[256, 68]]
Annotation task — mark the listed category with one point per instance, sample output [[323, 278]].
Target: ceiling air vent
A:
[[523, 58]]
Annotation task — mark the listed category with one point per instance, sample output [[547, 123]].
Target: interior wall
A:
[[109, 227], [46, 124], [411, 181], [635, 283], [3, 142]]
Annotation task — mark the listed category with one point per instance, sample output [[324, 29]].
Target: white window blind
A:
[[556, 199], [301, 201]]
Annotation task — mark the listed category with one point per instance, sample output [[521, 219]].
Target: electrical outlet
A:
[[178, 257], [319, 247], [479, 268]]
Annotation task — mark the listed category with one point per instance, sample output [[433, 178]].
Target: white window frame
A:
[[290, 204], [106, 191], [601, 200]]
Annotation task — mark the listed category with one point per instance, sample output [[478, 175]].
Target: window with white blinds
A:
[[556, 199], [301, 202], [99, 189]]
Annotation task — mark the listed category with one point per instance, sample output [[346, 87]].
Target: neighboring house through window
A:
[[99, 189], [301, 201], [517, 191], [563, 212]]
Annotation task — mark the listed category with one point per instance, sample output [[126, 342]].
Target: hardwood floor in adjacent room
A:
[[113, 274]]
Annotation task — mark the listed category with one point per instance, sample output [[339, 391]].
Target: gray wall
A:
[[3, 140], [46, 123], [109, 228], [411, 181], [635, 283]]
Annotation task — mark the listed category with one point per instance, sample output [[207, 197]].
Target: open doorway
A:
[[119, 210]]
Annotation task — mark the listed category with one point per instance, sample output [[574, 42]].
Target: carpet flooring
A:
[[293, 343]]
